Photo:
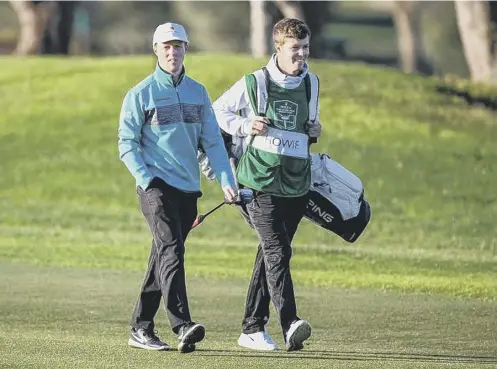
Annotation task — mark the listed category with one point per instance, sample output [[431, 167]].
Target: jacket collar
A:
[[282, 79], [166, 78]]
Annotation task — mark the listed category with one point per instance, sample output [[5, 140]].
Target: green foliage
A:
[[126, 27], [8, 18], [367, 40], [440, 34], [427, 161], [216, 26]]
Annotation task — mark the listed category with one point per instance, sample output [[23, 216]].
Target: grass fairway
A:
[[418, 289], [76, 318]]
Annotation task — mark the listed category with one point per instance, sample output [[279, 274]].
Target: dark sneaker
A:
[[299, 331], [148, 340], [189, 334]]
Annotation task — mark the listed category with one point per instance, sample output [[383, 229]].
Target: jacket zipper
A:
[[179, 103]]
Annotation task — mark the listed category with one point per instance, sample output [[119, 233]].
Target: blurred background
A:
[[443, 38]]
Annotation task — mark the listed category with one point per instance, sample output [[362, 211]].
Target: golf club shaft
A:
[[200, 218], [214, 208]]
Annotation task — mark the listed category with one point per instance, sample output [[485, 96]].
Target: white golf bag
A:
[[336, 199]]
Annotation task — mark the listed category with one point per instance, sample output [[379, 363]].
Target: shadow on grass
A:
[[484, 101], [357, 356]]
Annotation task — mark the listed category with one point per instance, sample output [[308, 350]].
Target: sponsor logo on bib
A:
[[285, 112]]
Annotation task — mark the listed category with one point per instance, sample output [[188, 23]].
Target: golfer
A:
[[164, 120]]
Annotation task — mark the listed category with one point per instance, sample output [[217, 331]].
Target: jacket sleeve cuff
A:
[[246, 127], [227, 179], [144, 181]]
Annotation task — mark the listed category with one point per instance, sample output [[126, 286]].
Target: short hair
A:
[[290, 28]]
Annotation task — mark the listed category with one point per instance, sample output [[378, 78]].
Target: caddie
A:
[[276, 165]]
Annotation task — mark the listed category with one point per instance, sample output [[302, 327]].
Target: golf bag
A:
[[336, 199]]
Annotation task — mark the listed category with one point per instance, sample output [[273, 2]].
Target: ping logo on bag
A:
[[327, 217]]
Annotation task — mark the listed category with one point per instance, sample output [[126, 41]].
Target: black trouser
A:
[[276, 220], [170, 214]]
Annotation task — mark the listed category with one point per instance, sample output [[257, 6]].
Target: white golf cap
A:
[[169, 32]]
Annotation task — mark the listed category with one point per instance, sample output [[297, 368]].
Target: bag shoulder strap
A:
[[260, 100], [262, 84], [312, 91]]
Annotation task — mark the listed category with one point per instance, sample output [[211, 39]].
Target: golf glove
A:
[[314, 128]]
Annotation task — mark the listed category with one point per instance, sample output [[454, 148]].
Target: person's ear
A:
[[155, 49], [186, 46]]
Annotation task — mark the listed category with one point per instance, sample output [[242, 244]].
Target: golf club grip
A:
[[199, 219]]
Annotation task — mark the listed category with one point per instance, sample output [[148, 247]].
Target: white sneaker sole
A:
[[135, 344], [247, 343]]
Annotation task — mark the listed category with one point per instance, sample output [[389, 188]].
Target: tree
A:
[[263, 15], [473, 19], [58, 32], [442, 46], [317, 15], [290, 9], [260, 21], [33, 17], [227, 22], [406, 15]]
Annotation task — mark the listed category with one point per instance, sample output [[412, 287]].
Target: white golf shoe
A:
[[299, 331], [258, 341]]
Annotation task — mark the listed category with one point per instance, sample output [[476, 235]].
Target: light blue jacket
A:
[[161, 127]]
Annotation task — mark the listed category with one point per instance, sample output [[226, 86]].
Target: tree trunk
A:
[[259, 35], [493, 11], [406, 16], [290, 9], [30, 35], [317, 15], [32, 22], [58, 32], [473, 20]]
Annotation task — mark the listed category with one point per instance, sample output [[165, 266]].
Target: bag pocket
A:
[[337, 184]]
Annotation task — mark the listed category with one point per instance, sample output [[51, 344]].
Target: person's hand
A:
[[313, 129], [230, 194], [259, 125]]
